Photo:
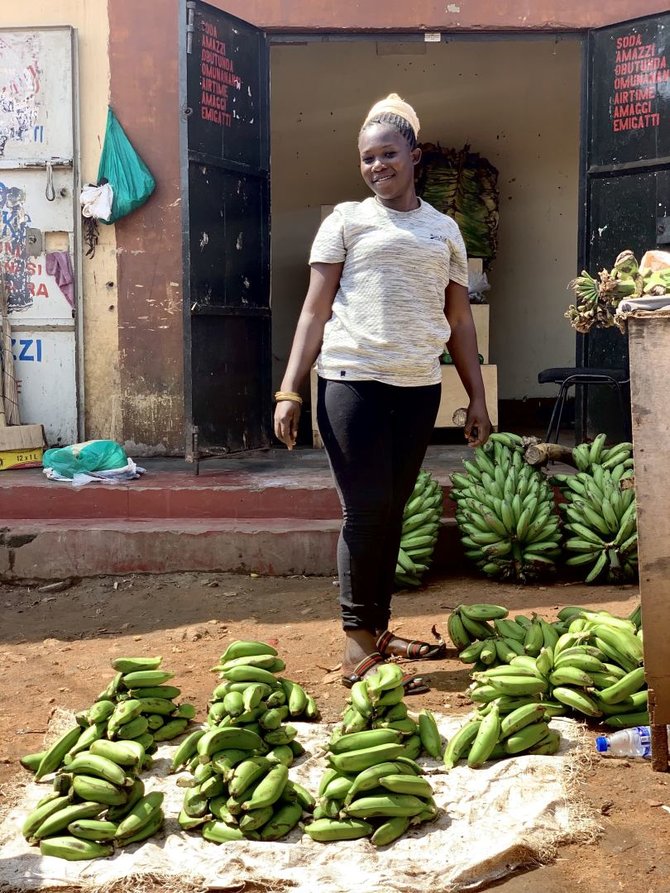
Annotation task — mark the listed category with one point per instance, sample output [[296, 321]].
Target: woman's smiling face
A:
[[387, 164]]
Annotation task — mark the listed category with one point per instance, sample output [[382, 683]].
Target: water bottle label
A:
[[645, 739]]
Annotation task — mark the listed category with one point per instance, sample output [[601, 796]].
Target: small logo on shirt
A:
[[440, 238]]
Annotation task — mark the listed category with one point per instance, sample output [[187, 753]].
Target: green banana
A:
[[325, 830], [146, 678], [227, 738], [385, 806], [485, 739], [282, 823], [59, 820], [269, 789], [240, 648], [624, 687], [92, 829], [247, 773], [484, 612], [91, 788], [526, 737], [406, 784], [360, 740], [151, 827], [522, 716], [220, 832], [172, 729], [124, 712], [390, 830], [140, 814], [577, 700], [125, 665], [251, 674], [131, 730], [357, 760], [74, 849], [41, 813], [89, 763], [54, 755]]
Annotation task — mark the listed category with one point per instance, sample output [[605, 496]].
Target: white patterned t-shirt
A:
[[388, 322]]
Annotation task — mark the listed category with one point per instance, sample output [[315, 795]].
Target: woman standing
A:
[[388, 288]]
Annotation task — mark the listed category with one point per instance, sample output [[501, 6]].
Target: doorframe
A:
[[183, 31], [77, 234]]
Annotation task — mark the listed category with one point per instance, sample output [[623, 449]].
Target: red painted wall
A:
[[436, 15], [144, 94]]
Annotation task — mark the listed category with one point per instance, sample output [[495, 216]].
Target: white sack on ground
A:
[[511, 813]]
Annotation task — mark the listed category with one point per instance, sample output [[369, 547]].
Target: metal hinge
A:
[[190, 25]]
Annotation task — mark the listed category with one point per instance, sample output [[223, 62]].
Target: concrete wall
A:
[[100, 293], [516, 102], [421, 15]]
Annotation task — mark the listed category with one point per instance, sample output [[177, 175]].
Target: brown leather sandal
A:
[[413, 685], [414, 649]]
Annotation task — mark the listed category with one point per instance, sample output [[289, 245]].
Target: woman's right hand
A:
[[287, 416]]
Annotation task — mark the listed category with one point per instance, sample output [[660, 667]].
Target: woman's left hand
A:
[[477, 424]]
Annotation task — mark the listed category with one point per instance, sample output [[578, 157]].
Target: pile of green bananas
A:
[[137, 705], [238, 788], [238, 785], [420, 526], [599, 514], [373, 786], [485, 636], [505, 512], [499, 730], [588, 663], [98, 800], [251, 693]]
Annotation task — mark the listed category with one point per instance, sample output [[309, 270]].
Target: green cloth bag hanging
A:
[[129, 177]]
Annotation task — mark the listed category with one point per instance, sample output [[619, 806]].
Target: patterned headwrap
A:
[[393, 106]]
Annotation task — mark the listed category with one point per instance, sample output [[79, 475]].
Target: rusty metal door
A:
[[227, 232], [38, 222], [626, 177]]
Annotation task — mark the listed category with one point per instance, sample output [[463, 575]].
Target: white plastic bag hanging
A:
[[96, 201]]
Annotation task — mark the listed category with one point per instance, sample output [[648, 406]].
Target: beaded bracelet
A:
[[288, 395]]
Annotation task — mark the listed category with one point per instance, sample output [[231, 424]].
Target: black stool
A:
[[567, 377]]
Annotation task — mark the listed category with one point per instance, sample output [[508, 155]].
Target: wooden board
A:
[[454, 396], [649, 345]]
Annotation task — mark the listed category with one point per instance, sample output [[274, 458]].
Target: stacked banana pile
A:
[[586, 662], [600, 513], [505, 512], [500, 730], [238, 786], [137, 705], [420, 526], [251, 695], [98, 800], [373, 788]]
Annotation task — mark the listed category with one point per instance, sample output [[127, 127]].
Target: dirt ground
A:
[[55, 649]]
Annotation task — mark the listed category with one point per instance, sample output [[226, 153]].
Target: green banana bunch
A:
[[136, 708], [420, 527], [499, 732], [505, 512], [599, 513], [372, 775]]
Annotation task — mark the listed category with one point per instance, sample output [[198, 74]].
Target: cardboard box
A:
[[21, 446]]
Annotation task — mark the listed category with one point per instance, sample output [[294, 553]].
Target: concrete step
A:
[[56, 549]]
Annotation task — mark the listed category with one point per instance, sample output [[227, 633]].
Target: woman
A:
[[388, 288]]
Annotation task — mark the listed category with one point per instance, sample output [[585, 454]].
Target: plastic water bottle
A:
[[635, 742]]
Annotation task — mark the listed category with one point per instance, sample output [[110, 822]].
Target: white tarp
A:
[[508, 814]]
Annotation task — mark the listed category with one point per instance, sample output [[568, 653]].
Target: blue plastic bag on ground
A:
[[80, 458], [131, 180]]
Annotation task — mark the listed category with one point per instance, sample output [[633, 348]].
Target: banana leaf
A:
[[463, 185]]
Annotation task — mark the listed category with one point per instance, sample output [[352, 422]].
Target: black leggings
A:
[[376, 437]]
